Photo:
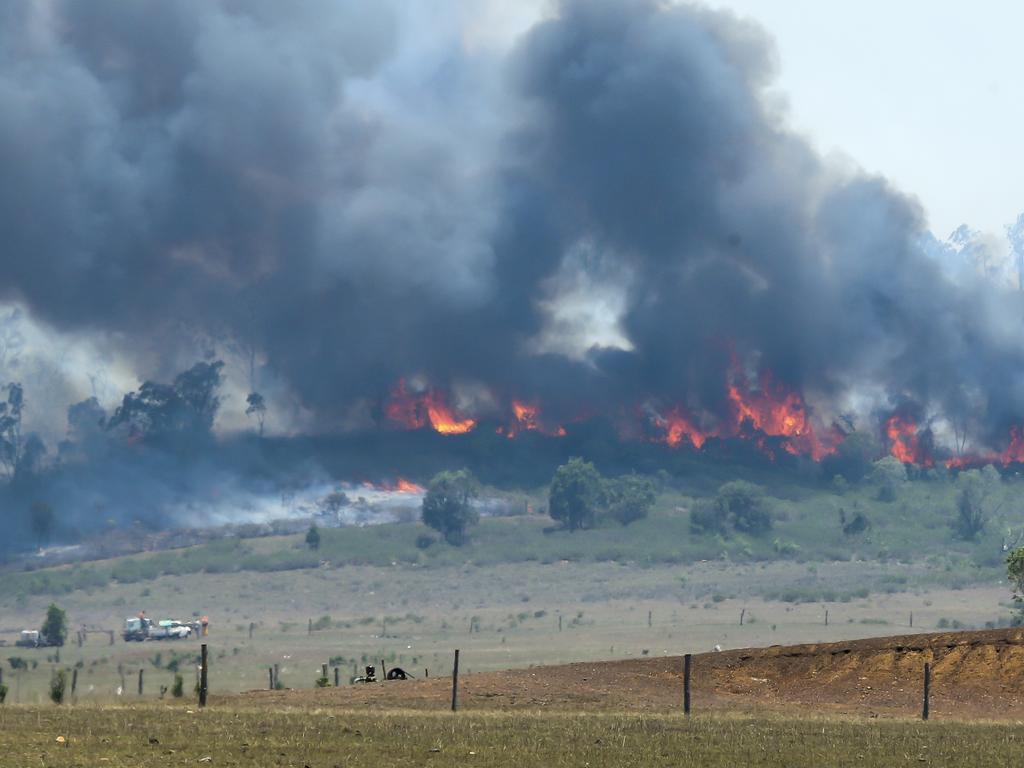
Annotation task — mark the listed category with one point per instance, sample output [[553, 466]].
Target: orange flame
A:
[[416, 410], [401, 485], [676, 425], [1013, 454], [769, 411], [407, 486], [776, 412], [526, 418], [443, 419], [904, 443]]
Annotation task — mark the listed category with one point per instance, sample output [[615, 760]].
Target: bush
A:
[[739, 505], [629, 498], [425, 541], [323, 682], [58, 685], [447, 505], [178, 689], [575, 494], [706, 517], [3, 692]]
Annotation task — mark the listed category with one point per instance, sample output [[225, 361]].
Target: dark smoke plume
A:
[[315, 184]]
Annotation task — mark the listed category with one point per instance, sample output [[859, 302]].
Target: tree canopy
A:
[[629, 498], [10, 428], [738, 506], [55, 628], [975, 501], [447, 505], [575, 494], [41, 520], [186, 407]]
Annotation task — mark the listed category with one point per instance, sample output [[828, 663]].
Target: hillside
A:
[[975, 675], [914, 523]]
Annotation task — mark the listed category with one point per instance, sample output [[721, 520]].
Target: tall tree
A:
[[629, 498], [447, 506], [41, 520], [186, 407], [575, 494], [55, 627], [11, 443], [256, 406], [976, 501]]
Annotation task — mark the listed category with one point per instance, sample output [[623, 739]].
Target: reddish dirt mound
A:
[[975, 674]]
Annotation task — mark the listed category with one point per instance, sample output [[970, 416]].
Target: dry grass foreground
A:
[[977, 675], [165, 735]]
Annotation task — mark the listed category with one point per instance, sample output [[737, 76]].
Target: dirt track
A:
[[975, 675]]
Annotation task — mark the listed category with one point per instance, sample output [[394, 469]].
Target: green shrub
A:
[[58, 685], [3, 692], [323, 682], [178, 689]]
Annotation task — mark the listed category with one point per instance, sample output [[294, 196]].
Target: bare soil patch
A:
[[975, 675]]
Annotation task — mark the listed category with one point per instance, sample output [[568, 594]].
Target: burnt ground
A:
[[974, 675]]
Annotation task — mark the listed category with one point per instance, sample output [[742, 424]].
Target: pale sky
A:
[[927, 92]]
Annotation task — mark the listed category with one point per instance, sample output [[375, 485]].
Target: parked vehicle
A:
[[32, 638], [140, 628]]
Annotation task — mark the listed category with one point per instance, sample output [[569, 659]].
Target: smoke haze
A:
[[606, 213]]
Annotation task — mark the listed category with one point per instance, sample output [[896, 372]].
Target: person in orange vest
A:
[[205, 621]]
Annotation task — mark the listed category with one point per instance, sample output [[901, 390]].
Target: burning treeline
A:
[[765, 413], [607, 218]]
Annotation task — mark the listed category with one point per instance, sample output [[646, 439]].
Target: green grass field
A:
[[123, 737], [915, 527]]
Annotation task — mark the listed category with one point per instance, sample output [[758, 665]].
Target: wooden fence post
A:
[[455, 682], [277, 676], [270, 676], [826, 617], [140, 681], [309, 627], [252, 626], [911, 618], [649, 618], [687, 659], [383, 671], [74, 680], [559, 622], [927, 689], [742, 614], [337, 676], [203, 676]]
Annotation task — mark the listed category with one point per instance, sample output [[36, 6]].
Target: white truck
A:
[[140, 628]]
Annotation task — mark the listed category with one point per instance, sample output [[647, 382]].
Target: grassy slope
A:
[[913, 528], [161, 736]]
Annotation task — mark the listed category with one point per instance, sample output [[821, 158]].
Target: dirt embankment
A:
[[974, 675]]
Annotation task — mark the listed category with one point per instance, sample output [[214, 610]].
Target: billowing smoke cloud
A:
[[354, 193]]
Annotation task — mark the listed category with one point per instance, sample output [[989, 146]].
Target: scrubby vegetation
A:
[[963, 524]]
